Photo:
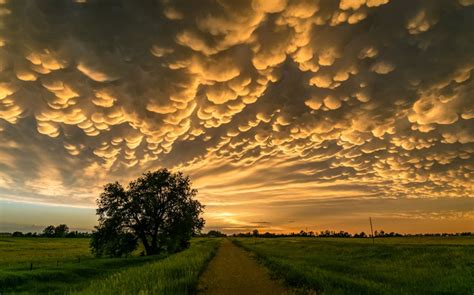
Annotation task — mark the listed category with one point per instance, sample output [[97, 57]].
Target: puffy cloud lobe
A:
[[270, 6], [431, 110], [93, 74], [302, 94]]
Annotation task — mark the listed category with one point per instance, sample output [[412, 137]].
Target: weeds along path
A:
[[234, 271]]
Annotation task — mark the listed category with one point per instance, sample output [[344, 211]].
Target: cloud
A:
[[257, 100], [93, 74]]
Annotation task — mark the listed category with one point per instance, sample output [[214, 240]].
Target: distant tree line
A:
[[51, 231], [62, 230], [213, 234], [344, 234]]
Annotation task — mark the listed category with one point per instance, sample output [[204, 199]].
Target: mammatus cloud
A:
[[262, 102]]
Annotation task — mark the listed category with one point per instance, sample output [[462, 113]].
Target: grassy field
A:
[[20, 252], [443, 265], [176, 274], [61, 265], [438, 265]]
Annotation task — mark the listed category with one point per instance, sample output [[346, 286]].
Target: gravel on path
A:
[[234, 271]]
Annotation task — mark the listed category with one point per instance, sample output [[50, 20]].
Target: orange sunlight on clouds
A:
[[286, 114]]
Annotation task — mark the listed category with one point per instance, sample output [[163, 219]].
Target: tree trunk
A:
[[154, 242], [147, 247]]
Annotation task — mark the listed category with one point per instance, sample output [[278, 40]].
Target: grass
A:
[[355, 266], [176, 274], [20, 252], [427, 265], [57, 270], [59, 264]]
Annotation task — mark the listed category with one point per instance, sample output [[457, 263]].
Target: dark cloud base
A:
[[259, 101]]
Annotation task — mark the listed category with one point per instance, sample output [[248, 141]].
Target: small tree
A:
[[49, 231], [215, 234], [157, 209], [17, 234], [61, 231]]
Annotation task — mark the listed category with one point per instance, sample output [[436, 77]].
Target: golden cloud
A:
[[270, 98]]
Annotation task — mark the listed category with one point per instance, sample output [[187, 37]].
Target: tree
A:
[[61, 231], [360, 235], [157, 209], [17, 234], [49, 231], [215, 234]]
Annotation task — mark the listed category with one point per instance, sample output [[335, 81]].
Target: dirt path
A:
[[234, 271]]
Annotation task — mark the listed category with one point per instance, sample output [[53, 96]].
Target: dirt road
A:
[[234, 271]]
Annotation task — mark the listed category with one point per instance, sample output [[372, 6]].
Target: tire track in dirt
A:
[[234, 271]]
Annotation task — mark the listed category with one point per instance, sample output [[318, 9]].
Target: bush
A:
[[111, 243]]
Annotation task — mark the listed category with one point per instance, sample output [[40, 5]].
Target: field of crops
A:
[[55, 265], [442, 265]]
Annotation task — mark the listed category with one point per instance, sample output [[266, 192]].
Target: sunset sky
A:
[[287, 115]]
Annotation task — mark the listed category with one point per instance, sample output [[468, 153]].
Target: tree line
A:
[[48, 232], [51, 231], [330, 234]]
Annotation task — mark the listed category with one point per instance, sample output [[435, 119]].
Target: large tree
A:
[[157, 209]]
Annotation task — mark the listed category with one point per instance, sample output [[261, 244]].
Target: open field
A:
[[62, 265], [19, 252], [443, 265], [427, 265], [59, 264]]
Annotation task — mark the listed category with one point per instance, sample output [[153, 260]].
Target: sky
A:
[[287, 115]]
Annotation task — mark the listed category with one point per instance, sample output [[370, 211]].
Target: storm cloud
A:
[[263, 102]]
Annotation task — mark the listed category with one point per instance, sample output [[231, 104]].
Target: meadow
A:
[[177, 274], [408, 265], [62, 265]]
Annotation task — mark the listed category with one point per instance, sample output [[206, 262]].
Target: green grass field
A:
[[59, 264], [443, 265], [64, 265], [20, 252], [439, 265], [176, 274]]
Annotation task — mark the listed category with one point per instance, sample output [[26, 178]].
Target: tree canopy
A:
[[59, 231], [158, 209]]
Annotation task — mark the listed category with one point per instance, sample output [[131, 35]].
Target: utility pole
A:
[[372, 230]]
